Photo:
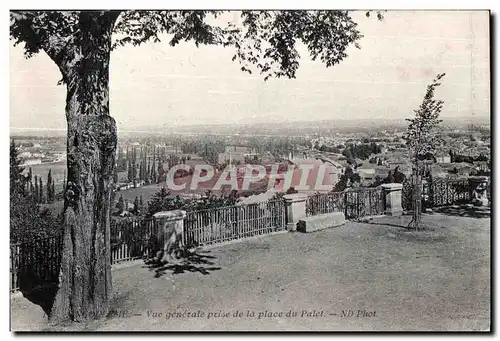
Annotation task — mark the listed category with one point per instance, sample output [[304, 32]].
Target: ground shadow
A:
[[190, 262], [401, 222], [37, 274], [464, 211], [405, 226], [41, 294], [467, 210], [424, 225], [393, 221]]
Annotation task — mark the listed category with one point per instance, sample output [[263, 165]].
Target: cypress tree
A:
[[159, 172], [50, 195], [136, 206], [40, 188], [31, 190], [30, 177], [129, 171], [153, 173], [121, 204], [16, 177], [148, 173], [36, 195], [141, 174]]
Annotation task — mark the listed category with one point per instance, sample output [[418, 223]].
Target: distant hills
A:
[[274, 128], [307, 127]]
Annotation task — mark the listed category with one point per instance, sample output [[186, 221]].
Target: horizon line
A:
[[258, 123]]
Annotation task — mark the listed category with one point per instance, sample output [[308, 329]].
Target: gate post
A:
[[295, 206], [392, 198], [171, 232], [479, 185]]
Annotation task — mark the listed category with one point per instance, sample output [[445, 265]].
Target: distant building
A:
[[251, 157], [168, 149], [437, 171], [482, 166], [367, 174], [30, 162], [358, 162], [382, 172], [331, 176], [237, 149], [195, 162], [231, 157], [443, 158], [462, 168], [24, 155]]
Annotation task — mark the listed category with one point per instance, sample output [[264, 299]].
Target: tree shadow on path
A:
[[464, 211], [190, 262], [402, 222], [393, 221]]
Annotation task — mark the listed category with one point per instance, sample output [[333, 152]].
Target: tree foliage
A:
[[16, 171], [120, 206], [263, 41], [348, 179], [163, 200], [422, 135], [50, 185], [27, 220], [361, 151]]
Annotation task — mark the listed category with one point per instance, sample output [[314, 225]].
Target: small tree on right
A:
[[421, 138]]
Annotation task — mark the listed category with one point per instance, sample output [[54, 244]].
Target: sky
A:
[[159, 85]]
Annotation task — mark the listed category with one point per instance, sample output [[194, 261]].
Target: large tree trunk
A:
[[85, 273]]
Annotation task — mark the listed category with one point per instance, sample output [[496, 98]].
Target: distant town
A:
[[352, 156]]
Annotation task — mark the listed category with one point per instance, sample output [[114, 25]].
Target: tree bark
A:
[[85, 273], [417, 198]]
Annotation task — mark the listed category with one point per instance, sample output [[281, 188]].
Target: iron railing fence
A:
[[355, 203], [223, 224]]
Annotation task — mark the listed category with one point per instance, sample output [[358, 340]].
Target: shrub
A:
[[29, 221]]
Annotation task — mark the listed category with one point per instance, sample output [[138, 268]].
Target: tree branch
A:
[[113, 15], [41, 31]]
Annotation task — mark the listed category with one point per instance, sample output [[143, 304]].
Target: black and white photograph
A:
[[323, 170]]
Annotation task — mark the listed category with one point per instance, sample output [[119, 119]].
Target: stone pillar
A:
[[295, 209], [171, 233], [479, 186], [392, 199]]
